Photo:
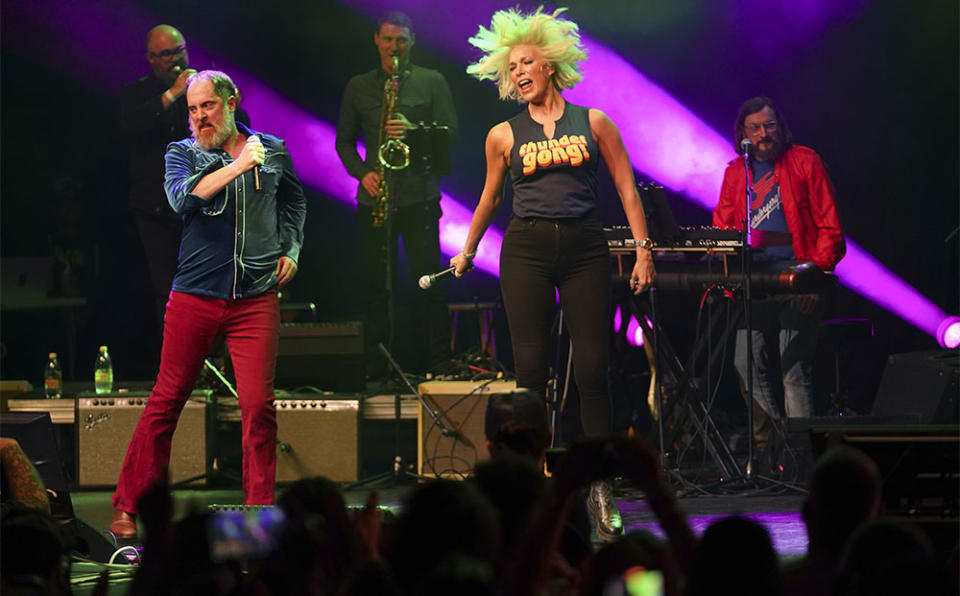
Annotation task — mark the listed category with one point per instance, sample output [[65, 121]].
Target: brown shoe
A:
[[124, 525]]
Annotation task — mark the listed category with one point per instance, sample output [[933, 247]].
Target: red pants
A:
[[250, 327]]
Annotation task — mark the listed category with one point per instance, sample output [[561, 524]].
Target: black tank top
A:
[[554, 178]]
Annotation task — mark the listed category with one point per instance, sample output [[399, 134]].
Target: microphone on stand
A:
[[745, 145], [427, 281], [256, 174]]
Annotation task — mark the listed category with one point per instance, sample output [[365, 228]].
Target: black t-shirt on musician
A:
[[554, 178]]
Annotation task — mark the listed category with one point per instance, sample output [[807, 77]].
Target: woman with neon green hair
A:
[[555, 241]]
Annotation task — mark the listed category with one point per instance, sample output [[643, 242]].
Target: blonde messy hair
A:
[[558, 40]]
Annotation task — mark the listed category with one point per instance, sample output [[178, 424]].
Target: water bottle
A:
[[52, 378], [103, 372]]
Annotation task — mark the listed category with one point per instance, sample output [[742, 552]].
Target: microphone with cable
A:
[[745, 145], [427, 281], [256, 170]]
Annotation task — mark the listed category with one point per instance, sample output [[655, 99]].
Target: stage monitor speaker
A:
[[797, 460], [921, 384], [327, 356], [462, 407], [317, 437], [34, 432], [920, 468], [919, 464], [105, 426]]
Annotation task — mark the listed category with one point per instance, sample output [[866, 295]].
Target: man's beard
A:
[[221, 133], [771, 154]]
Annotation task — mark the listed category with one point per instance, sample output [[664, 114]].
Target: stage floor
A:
[[775, 508]]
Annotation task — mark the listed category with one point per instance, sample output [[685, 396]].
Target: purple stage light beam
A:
[[868, 277], [669, 142]]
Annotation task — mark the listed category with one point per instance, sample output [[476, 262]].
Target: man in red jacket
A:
[[793, 194]]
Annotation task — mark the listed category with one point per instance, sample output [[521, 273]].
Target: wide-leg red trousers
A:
[[250, 327]]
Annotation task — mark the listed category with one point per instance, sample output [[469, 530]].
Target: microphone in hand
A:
[[256, 171], [427, 281]]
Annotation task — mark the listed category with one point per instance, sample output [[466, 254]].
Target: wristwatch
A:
[[646, 243]]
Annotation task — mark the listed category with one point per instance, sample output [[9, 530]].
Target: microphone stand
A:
[[747, 307], [213, 471], [430, 407]]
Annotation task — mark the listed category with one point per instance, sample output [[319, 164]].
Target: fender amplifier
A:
[[105, 426], [317, 437], [461, 407]]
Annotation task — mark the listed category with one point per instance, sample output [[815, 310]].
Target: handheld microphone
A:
[[745, 145], [256, 174], [427, 281]]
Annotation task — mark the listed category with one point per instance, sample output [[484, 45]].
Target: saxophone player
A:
[[412, 197]]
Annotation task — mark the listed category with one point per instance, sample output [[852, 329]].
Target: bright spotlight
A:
[[948, 332]]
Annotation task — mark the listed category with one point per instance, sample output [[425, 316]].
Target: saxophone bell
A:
[[394, 154]]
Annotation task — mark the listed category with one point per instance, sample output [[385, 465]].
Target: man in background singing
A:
[[153, 114]]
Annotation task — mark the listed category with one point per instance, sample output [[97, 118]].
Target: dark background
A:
[[875, 92]]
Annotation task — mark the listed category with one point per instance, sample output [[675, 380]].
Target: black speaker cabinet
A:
[[105, 426], [919, 464], [34, 432], [317, 437], [800, 454], [921, 384], [461, 406], [327, 356]]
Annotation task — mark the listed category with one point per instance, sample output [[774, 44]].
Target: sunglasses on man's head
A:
[[168, 53]]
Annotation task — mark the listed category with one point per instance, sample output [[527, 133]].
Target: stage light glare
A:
[[634, 332], [948, 333]]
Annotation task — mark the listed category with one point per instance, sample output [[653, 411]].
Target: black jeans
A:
[[419, 227], [540, 257]]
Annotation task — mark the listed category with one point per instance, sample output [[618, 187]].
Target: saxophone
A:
[[392, 154]]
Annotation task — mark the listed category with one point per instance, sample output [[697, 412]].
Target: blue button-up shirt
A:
[[231, 242]]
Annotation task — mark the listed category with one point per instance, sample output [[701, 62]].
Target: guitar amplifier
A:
[[462, 407], [327, 356], [317, 437], [105, 426]]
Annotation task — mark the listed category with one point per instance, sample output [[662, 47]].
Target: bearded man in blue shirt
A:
[[243, 211]]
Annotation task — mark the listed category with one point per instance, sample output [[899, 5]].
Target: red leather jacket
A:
[[808, 205]]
